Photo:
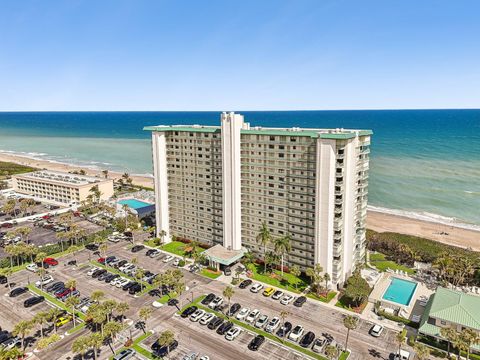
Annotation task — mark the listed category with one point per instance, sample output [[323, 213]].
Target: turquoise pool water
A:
[[400, 291], [134, 203]]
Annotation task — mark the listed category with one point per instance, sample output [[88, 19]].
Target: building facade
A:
[[61, 187], [218, 184]]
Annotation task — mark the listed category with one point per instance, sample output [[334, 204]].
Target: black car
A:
[[227, 271], [164, 350], [103, 276], [150, 251], [256, 342], [55, 286], [233, 309], [155, 292], [128, 285], [120, 264], [300, 301], [137, 248], [33, 301], [285, 329], [208, 299], [135, 289], [245, 283], [307, 339], [172, 302], [4, 336], [188, 311], [215, 322], [224, 328], [109, 277], [109, 259], [98, 272], [3, 279], [18, 291], [92, 247]]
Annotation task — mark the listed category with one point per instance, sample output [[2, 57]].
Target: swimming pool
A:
[[134, 203], [400, 291]]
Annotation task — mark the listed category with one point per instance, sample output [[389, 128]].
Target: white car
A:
[[256, 288], [32, 267], [287, 299], [204, 357], [197, 315], [233, 333], [376, 330], [215, 302], [168, 258], [252, 316], [10, 344], [44, 281], [176, 262], [262, 320], [296, 333], [272, 325], [122, 283], [242, 314], [125, 267], [206, 318], [155, 253], [92, 270], [115, 282], [402, 355]]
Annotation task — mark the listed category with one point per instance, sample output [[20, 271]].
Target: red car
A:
[[46, 217], [50, 261], [101, 260], [64, 293], [7, 225]]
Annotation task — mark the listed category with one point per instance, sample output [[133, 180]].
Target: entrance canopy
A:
[[220, 255]]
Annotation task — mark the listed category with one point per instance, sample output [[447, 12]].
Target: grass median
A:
[[138, 348], [255, 330]]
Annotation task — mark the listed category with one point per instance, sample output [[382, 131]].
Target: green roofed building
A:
[[450, 308]]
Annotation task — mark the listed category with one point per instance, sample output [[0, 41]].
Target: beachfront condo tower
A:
[[218, 184]]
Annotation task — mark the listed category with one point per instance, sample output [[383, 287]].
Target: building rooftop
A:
[[451, 306], [60, 177], [222, 255], [259, 130]]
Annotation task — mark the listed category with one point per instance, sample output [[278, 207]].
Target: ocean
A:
[[424, 163]]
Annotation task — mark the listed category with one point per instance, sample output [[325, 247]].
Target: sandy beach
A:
[[377, 221]]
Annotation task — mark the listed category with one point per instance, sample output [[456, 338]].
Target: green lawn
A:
[[53, 300], [344, 355], [382, 264], [330, 296], [9, 168], [151, 243], [76, 328], [177, 248], [288, 281], [210, 274]]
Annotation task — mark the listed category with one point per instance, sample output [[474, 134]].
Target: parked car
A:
[[135, 288], [227, 271], [32, 267], [50, 261], [33, 301], [3, 279], [272, 325], [318, 345], [125, 354], [55, 286], [63, 320], [188, 311], [197, 315], [256, 288], [256, 342], [243, 313], [167, 258], [18, 291], [307, 339], [102, 276], [287, 299], [284, 329], [233, 309], [376, 330], [11, 343], [120, 264], [268, 291], [153, 253], [245, 283], [215, 302], [128, 285], [47, 279], [261, 321], [137, 248], [296, 333], [300, 301], [167, 349], [252, 316], [99, 272], [232, 333], [222, 329], [208, 299], [92, 270], [277, 295], [92, 247], [206, 318], [214, 323]]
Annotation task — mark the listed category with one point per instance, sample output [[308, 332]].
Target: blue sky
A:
[[239, 55]]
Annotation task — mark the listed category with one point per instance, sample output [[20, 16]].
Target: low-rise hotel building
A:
[[218, 184], [61, 187]]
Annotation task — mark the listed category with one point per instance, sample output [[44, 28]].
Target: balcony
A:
[[338, 201], [337, 225], [340, 156], [338, 209]]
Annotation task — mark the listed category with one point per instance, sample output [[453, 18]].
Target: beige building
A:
[[61, 187], [217, 184]]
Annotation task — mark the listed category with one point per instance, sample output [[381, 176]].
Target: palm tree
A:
[[315, 275], [139, 274], [264, 237], [228, 293], [283, 246], [162, 235], [73, 250], [80, 346], [283, 315], [166, 338], [122, 308], [41, 318], [144, 313], [71, 302], [109, 306], [422, 351], [331, 352], [105, 173], [97, 295], [53, 315], [326, 278], [13, 353], [351, 323], [103, 248], [22, 329], [400, 339], [295, 271], [111, 330], [470, 337], [95, 341], [450, 335], [460, 344]]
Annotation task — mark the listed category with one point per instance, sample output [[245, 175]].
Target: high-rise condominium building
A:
[[218, 184]]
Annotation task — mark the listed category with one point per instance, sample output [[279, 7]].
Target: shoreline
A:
[[377, 220]]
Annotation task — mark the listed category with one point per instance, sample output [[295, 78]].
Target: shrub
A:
[[398, 319], [181, 263]]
